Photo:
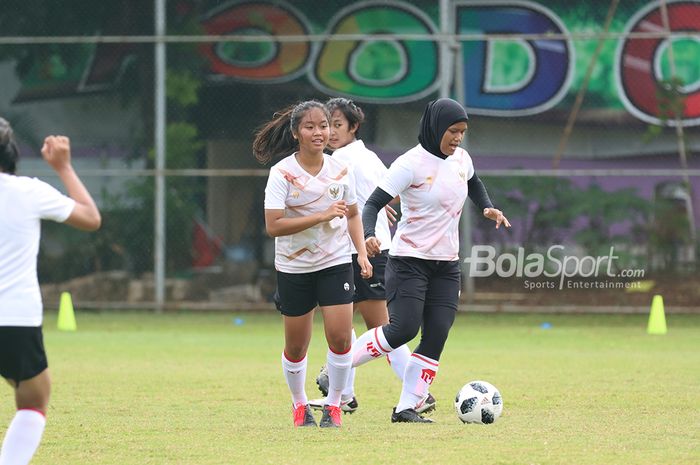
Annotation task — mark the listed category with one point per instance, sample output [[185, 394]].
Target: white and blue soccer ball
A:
[[478, 402]]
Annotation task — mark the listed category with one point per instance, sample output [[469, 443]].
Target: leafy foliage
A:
[[551, 210], [127, 216]]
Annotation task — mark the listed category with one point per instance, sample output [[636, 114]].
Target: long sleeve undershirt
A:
[[379, 199]]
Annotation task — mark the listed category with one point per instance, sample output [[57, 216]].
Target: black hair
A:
[[9, 152], [352, 112], [275, 138]]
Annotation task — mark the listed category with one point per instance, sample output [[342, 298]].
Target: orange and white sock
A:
[[295, 374], [22, 437], [371, 345], [419, 375]]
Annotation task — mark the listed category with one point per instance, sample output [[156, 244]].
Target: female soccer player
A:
[[23, 203], [369, 298], [433, 179], [311, 211]]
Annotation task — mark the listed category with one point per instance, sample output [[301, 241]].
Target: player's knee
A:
[[397, 336], [32, 400], [295, 352], [339, 342]]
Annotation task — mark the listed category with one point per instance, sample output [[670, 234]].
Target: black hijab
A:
[[439, 115]]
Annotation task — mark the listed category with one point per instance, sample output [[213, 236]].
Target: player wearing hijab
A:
[[434, 178]]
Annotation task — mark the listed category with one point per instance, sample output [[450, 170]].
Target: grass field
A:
[[138, 388]]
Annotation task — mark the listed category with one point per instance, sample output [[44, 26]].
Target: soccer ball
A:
[[478, 402]]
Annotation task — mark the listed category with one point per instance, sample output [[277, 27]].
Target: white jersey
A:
[[368, 170], [433, 192], [24, 202], [292, 189]]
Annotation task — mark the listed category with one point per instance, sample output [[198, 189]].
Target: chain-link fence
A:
[[583, 122]]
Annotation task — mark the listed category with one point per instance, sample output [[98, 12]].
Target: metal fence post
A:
[[159, 236]]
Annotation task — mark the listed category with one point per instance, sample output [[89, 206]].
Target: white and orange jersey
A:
[[292, 189], [433, 192], [368, 170]]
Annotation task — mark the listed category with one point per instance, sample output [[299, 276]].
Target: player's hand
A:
[[365, 266], [56, 151], [372, 245], [391, 215], [497, 216], [338, 210]]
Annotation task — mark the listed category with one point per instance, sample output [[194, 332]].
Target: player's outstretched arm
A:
[[85, 215], [496, 215]]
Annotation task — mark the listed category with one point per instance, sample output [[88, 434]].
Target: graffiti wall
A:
[[504, 77], [537, 63]]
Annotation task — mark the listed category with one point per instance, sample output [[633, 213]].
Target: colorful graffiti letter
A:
[[267, 60], [512, 77], [642, 64], [378, 70]]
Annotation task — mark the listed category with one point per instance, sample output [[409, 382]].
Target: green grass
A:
[[137, 388]]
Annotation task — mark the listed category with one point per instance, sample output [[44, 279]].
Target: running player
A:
[[311, 211], [370, 296], [433, 179]]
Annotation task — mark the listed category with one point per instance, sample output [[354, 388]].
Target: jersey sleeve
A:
[[50, 203], [470, 165], [275, 191], [350, 196], [398, 177]]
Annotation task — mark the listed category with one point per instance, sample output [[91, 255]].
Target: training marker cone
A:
[[657, 317], [66, 316]]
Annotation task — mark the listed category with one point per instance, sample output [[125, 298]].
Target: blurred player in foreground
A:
[[24, 202]]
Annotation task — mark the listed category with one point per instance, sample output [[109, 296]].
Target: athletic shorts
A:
[[372, 288], [22, 354], [299, 293], [434, 282]]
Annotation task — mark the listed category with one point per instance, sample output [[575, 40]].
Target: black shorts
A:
[[299, 293], [372, 288], [22, 354], [433, 282]]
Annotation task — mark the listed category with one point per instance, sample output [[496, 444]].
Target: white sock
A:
[[295, 374], [338, 370], [372, 344], [349, 390], [419, 375], [398, 360], [22, 437]]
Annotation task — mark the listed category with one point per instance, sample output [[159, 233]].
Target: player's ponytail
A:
[[9, 152], [275, 139]]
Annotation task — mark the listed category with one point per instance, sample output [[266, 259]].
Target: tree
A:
[[127, 233]]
